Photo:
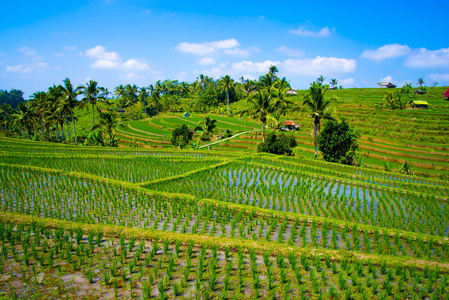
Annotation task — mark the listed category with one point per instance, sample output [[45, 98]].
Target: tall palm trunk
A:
[[315, 129], [227, 98], [73, 122], [67, 125], [57, 129], [93, 116], [62, 130], [263, 130]]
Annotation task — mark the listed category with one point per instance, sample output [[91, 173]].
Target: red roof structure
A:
[[290, 122]]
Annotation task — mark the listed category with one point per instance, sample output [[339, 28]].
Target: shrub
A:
[[338, 143], [181, 136], [280, 144]]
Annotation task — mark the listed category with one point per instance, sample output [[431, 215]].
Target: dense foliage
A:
[[13, 97], [181, 136], [338, 142], [278, 144]]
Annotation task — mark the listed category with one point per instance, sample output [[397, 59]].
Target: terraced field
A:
[[86, 222]]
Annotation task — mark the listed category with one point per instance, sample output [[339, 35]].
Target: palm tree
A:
[[69, 95], [109, 121], [207, 126], [92, 95], [318, 107], [333, 82], [227, 84], [143, 97], [54, 96], [6, 112], [320, 79], [260, 106], [248, 87], [23, 117], [420, 82], [272, 72]]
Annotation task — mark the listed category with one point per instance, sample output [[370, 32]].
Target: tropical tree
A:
[[420, 82], [260, 106], [318, 107], [273, 70], [92, 95], [69, 95], [6, 112], [227, 84], [109, 121], [320, 79], [333, 82], [56, 109], [207, 126], [23, 118], [143, 98], [248, 87]]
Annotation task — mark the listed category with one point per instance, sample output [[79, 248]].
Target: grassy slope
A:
[[416, 135]]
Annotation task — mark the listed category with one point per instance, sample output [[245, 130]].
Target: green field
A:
[[145, 221], [89, 222]]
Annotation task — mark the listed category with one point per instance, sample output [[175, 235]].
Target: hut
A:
[[420, 104], [120, 110], [186, 115], [290, 125], [387, 85], [292, 92]]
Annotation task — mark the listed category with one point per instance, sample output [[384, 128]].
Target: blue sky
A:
[[139, 42]]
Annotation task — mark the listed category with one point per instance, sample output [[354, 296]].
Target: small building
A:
[[292, 92], [387, 85], [420, 92], [120, 110], [420, 104], [186, 115], [290, 125]]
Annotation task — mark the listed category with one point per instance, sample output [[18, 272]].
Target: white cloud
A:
[[206, 61], [70, 48], [249, 66], [207, 47], [319, 65], [99, 52], [27, 68], [348, 82], [111, 60], [439, 77], [129, 76], [424, 58], [290, 51], [387, 79], [323, 32], [27, 51], [387, 51]]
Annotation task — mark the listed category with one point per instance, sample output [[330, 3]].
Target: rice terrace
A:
[[224, 150], [217, 220]]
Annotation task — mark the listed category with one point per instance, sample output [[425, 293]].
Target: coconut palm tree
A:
[[207, 126], [333, 82], [56, 109], [143, 97], [69, 95], [320, 80], [272, 72], [248, 87], [318, 107], [227, 84], [92, 95], [109, 121], [420, 82], [260, 106], [23, 117]]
